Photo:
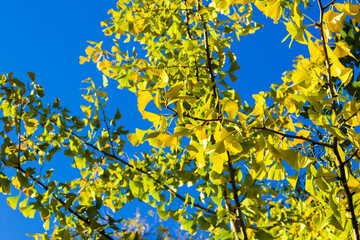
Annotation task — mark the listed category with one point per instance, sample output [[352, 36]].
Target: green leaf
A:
[[13, 201], [31, 75]]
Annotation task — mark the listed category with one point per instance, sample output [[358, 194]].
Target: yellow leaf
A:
[[196, 150], [152, 117], [83, 59], [156, 72], [133, 139], [343, 50], [231, 108], [144, 97], [293, 179], [164, 77], [218, 161], [87, 110], [296, 32], [243, 2], [271, 8], [303, 133], [200, 132], [277, 172], [334, 21], [316, 51], [353, 183], [259, 105], [338, 69], [89, 50], [347, 8], [173, 92]]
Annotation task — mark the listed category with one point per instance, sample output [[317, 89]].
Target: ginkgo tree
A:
[[285, 168]]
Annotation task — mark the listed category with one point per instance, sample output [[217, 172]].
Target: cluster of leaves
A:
[[228, 157]]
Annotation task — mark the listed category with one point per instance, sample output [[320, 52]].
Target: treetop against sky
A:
[[281, 165]]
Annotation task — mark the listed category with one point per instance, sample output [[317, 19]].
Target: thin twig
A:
[[72, 211], [295, 137], [167, 188]]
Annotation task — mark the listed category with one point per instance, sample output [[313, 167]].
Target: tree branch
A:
[[72, 211], [233, 224], [348, 194], [167, 188], [208, 58], [338, 159], [327, 60], [238, 212], [191, 38], [295, 137]]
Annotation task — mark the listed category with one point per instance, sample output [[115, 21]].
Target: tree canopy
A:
[[286, 167]]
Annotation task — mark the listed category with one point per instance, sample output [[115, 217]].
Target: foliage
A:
[[154, 228], [285, 168]]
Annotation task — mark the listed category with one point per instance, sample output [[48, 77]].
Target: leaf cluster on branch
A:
[[285, 168]]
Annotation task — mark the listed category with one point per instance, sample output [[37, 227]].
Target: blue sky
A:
[[47, 37]]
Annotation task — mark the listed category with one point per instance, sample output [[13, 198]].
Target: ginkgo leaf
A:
[[277, 172], [302, 133], [347, 8], [343, 50], [334, 21], [218, 161], [296, 33], [259, 105], [13, 201], [293, 179], [83, 59], [174, 90], [144, 97], [271, 8], [231, 108]]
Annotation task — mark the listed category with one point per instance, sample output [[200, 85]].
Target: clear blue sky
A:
[[47, 37]]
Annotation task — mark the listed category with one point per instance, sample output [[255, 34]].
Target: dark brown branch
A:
[[327, 60], [258, 128], [279, 224], [295, 137], [328, 5], [167, 188], [345, 120], [108, 130], [233, 224], [72, 211], [191, 38], [208, 58], [238, 212], [348, 194], [338, 159], [351, 157]]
